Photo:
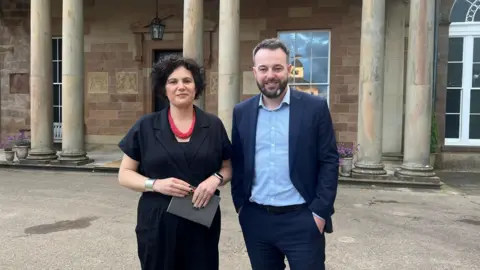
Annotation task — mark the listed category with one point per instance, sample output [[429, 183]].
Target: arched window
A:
[[465, 11]]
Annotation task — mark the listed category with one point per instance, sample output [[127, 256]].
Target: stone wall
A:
[[259, 20], [117, 89], [117, 65], [113, 81], [14, 67]]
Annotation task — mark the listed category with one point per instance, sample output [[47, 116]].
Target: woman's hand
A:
[[204, 191], [172, 187]]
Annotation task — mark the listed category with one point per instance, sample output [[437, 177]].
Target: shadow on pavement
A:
[[468, 183]]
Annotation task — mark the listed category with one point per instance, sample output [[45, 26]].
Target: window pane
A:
[[59, 49], [475, 101], [289, 40], [323, 90], [476, 50], [320, 44], [60, 72], [453, 100], [476, 75], [455, 49], [454, 75], [56, 94], [55, 72], [474, 127], [56, 114], [477, 17], [316, 90], [301, 70], [54, 49], [303, 44], [452, 126], [320, 70], [459, 11]]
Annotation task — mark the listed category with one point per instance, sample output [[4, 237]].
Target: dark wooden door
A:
[[160, 102]]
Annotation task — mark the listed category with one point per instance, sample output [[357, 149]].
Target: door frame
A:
[[173, 40], [468, 31], [149, 47]]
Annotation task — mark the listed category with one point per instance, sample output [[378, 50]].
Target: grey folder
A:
[[183, 207]]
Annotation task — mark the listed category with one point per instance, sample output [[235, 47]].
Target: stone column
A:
[[73, 129], [396, 14], [418, 111], [41, 87], [228, 61], [193, 36], [370, 103]]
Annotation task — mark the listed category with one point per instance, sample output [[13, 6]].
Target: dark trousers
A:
[[168, 242], [269, 237]]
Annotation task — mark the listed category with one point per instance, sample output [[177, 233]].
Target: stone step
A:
[[392, 163], [382, 181], [391, 183]]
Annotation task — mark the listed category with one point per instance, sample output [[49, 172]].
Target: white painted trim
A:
[[456, 142], [464, 29], [329, 57], [469, 31], [57, 126]]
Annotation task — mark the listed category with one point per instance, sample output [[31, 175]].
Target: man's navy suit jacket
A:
[[313, 155]]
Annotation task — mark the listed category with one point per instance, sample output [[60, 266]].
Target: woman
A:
[[175, 152]]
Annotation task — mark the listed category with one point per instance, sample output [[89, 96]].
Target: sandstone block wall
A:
[[116, 80], [14, 67]]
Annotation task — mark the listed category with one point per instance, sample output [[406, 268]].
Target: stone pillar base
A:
[[415, 171], [40, 156], [73, 158], [369, 169]]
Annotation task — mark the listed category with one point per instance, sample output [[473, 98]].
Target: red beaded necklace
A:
[[176, 131]]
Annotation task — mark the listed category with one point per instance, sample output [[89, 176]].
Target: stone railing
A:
[[57, 132]]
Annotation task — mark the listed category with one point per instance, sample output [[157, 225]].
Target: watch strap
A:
[[220, 177]]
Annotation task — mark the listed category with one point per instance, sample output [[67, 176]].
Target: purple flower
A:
[[346, 152]]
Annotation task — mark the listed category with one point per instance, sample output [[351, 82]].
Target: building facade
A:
[[82, 78]]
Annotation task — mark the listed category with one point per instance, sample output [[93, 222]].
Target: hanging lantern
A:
[[157, 29]]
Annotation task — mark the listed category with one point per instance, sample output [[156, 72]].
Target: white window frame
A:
[[468, 31], [327, 84], [57, 126]]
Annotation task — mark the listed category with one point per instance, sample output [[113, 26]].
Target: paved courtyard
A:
[[71, 220]]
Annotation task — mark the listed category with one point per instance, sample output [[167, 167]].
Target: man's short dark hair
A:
[[271, 44], [165, 67]]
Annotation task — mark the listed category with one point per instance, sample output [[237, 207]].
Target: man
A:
[[285, 167]]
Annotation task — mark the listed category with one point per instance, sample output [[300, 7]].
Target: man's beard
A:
[[282, 86]]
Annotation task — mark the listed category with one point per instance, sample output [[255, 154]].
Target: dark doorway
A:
[[159, 102]]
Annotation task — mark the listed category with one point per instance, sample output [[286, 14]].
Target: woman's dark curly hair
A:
[[165, 67]]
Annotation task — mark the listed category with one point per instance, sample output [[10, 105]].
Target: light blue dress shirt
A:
[[272, 184]]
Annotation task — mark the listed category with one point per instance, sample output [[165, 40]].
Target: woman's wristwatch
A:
[[149, 184], [220, 177]]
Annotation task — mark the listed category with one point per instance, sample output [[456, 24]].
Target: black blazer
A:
[[152, 143], [313, 155]]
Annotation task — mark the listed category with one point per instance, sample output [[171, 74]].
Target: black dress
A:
[[165, 241]]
